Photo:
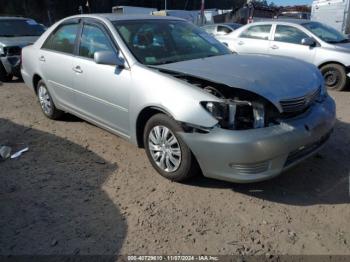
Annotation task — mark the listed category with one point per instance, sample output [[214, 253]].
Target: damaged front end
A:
[[239, 109]]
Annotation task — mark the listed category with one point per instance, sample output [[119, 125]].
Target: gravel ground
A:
[[82, 190]]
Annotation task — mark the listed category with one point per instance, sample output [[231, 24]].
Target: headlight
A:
[[236, 114]]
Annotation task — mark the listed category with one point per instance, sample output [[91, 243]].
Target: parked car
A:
[[15, 33], [167, 86], [307, 40], [221, 29]]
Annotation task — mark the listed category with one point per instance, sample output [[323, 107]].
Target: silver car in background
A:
[[167, 86], [310, 41], [15, 33]]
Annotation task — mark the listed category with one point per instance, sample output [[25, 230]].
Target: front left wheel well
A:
[[330, 62], [141, 121]]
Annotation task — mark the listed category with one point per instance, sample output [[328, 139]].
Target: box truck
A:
[[334, 13], [132, 10]]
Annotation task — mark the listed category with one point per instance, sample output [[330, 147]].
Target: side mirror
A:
[[108, 58], [308, 41]]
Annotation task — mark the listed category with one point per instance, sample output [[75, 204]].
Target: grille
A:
[[301, 103], [247, 169], [305, 151], [13, 50]]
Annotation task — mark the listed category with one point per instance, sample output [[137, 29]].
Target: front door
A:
[[287, 42], [102, 91]]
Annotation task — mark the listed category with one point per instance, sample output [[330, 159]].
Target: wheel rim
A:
[[332, 77], [164, 148], [45, 100]]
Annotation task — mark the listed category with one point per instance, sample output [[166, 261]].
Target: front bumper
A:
[[259, 154], [12, 64]]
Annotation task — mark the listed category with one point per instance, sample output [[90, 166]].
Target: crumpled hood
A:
[[275, 78], [20, 41]]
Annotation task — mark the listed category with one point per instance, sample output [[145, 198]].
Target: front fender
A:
[[179, 99]]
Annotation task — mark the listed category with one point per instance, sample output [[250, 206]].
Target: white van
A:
[[132, 10], [334, 13]]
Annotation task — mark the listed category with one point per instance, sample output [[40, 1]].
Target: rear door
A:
[[56, 62], [287, 42], [102, 91], [254, 40]]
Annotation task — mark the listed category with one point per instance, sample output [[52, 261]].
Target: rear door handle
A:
[[78, 69], [240, 43], [42, 58], [274, 47]]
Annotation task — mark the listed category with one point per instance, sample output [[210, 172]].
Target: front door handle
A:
[[42, 58], [274, 47], [240, 43], [78, 69]]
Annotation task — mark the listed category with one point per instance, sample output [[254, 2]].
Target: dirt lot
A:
[[82, 190]]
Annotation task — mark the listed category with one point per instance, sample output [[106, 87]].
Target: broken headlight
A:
[[237, 114]]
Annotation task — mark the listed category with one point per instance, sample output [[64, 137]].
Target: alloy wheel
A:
[[164, 148], [45, 100]]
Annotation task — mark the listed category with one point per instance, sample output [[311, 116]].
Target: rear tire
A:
[[166, 150], [46, 103], [4, 76], [335, 77]]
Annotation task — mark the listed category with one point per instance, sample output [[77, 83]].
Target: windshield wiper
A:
[[8, 35]]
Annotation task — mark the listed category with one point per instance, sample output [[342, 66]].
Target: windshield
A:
[[326, 33], [155, 42], [13, 28]]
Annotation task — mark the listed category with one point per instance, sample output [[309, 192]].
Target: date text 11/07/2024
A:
[[172, 258]]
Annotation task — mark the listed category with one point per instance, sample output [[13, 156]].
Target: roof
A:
[[115, 17]]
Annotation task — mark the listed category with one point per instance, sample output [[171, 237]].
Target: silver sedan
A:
[[307, 40], [169, 87]]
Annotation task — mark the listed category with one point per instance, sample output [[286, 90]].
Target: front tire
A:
[[335, 77], [166, 150], [46, 103]]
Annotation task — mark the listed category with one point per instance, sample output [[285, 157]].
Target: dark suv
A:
[[15, 33]]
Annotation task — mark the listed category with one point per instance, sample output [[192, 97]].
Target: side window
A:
[[63, 39], [93, 40], [224, 29], [257, 32], [289, 34]]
